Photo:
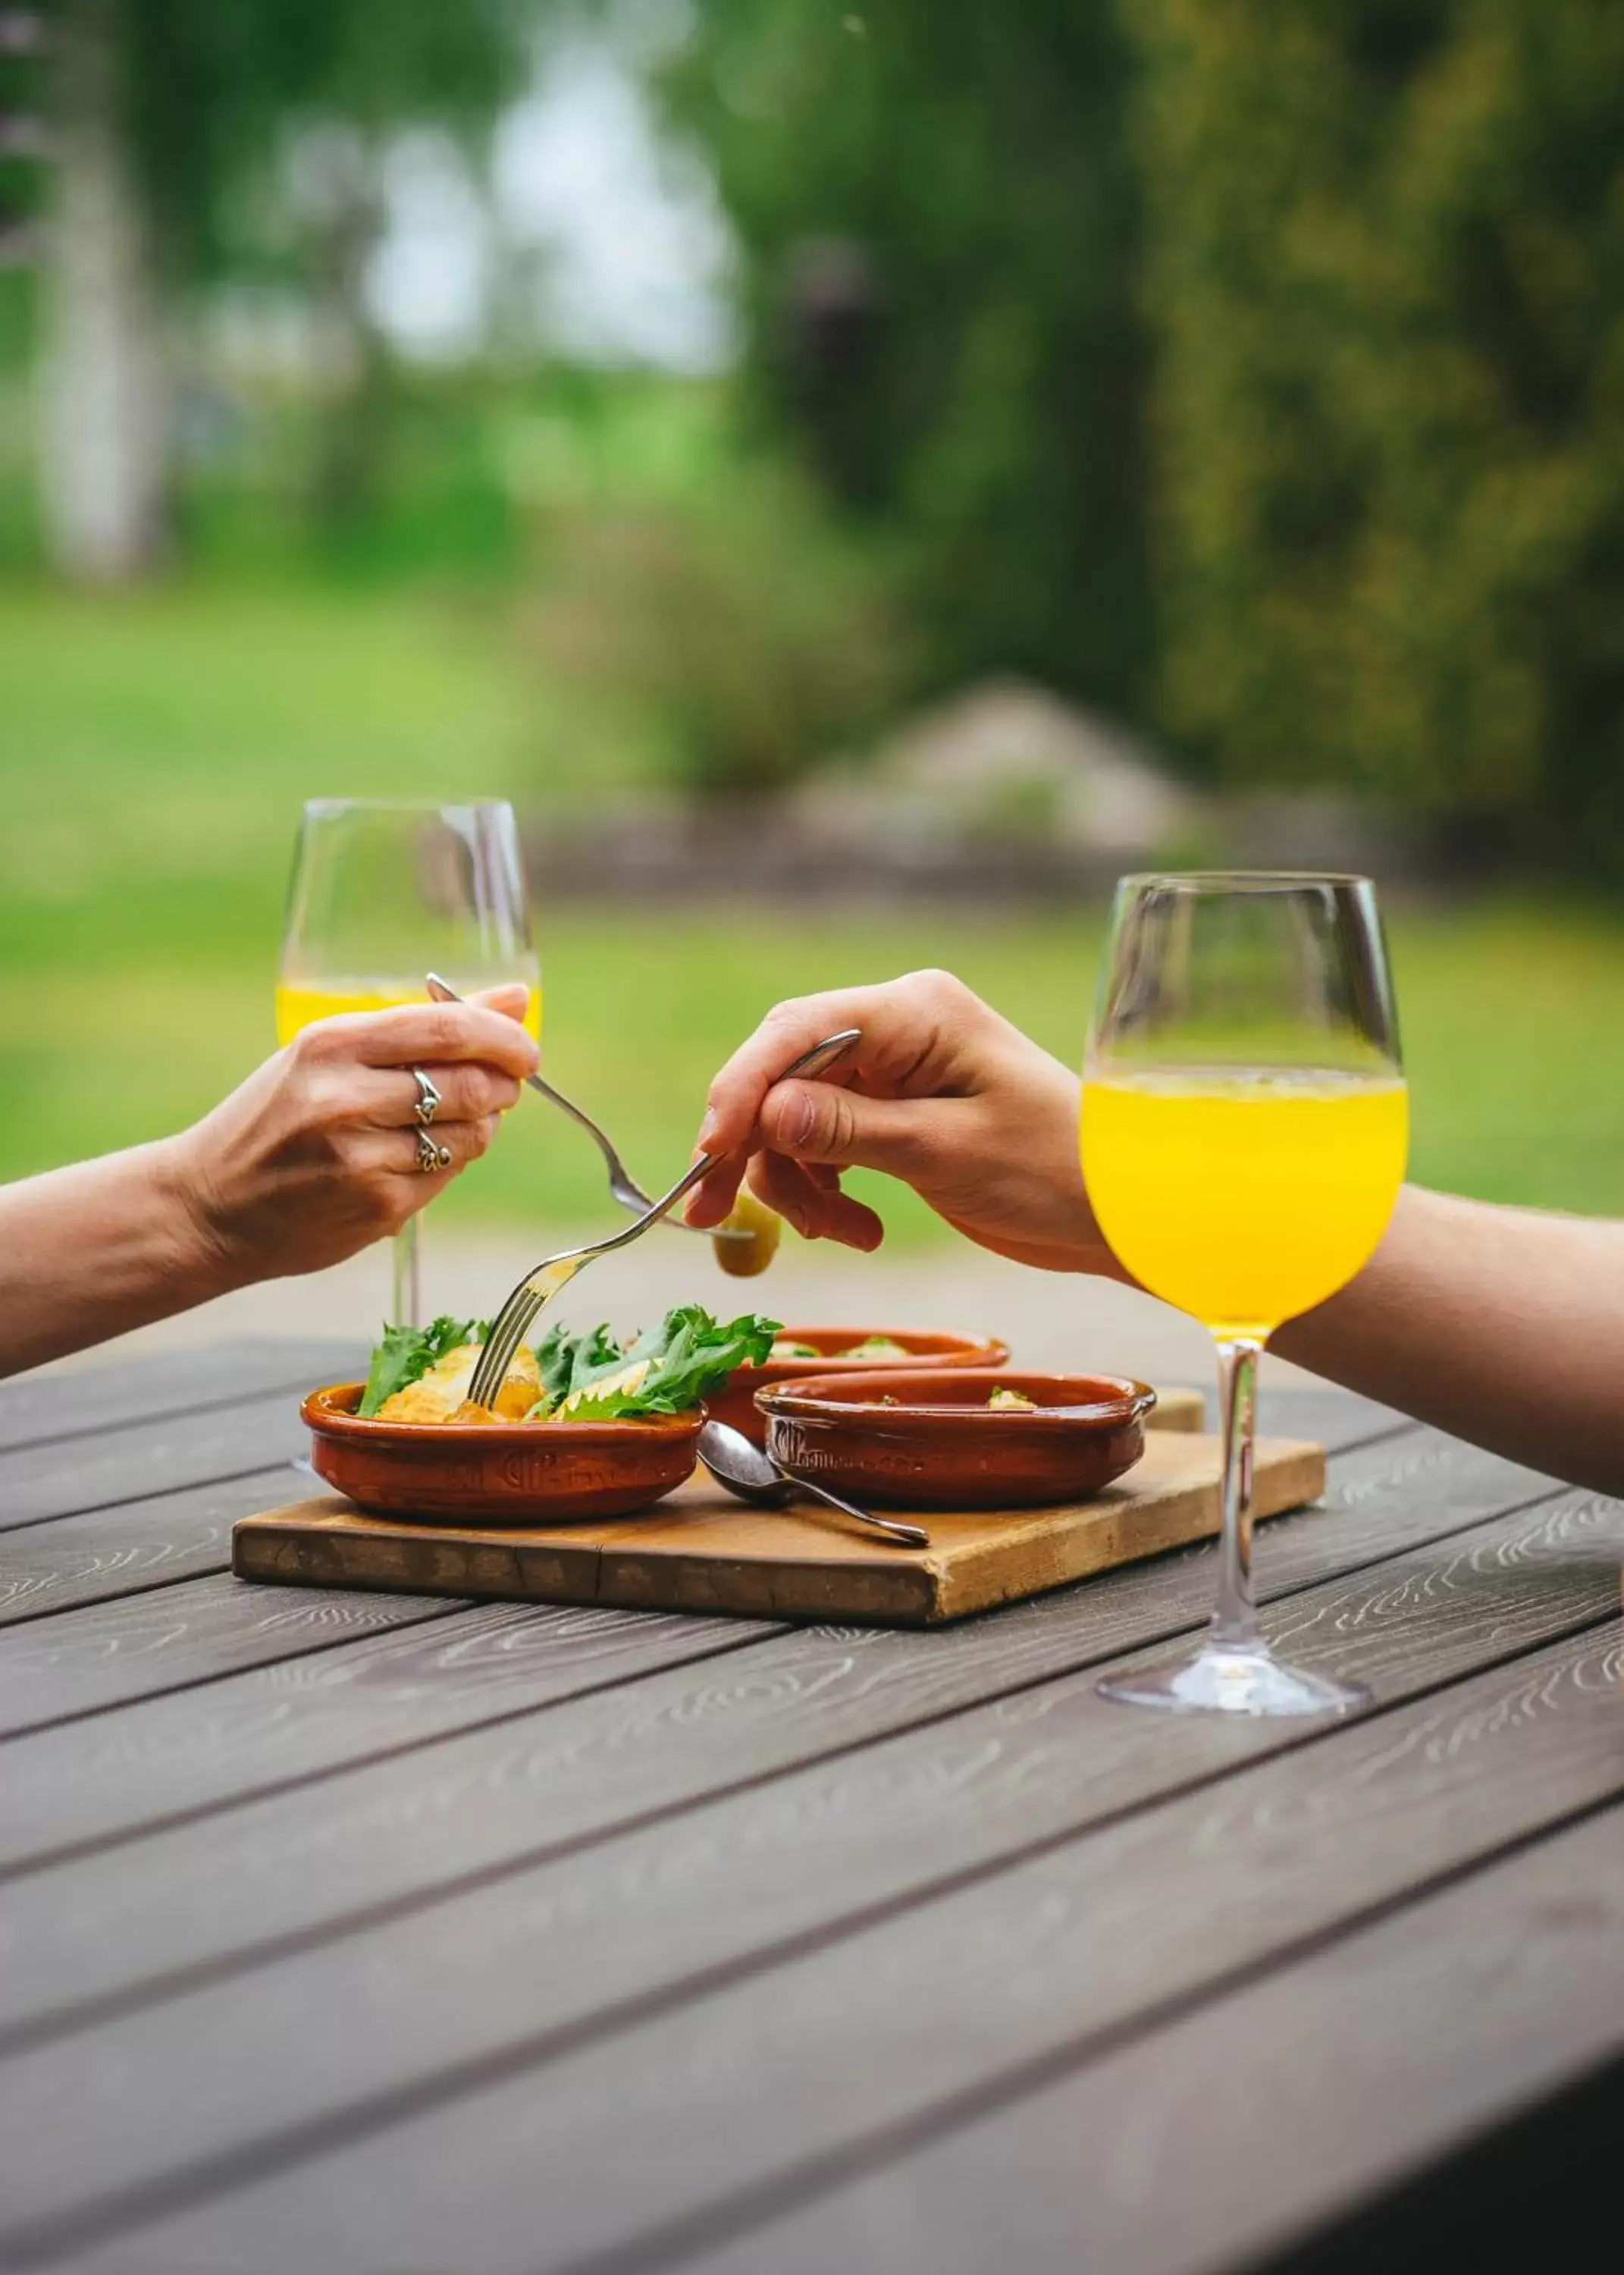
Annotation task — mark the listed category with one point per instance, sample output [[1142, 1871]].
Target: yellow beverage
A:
[[1243, 1197], [299, 1004]]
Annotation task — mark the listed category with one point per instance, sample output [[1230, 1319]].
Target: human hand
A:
[[316, 1155], [941, 1092]]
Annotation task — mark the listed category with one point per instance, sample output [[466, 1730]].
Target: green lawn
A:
[[153, 758]]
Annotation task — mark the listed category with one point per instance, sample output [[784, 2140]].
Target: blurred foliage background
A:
[[648, 409]]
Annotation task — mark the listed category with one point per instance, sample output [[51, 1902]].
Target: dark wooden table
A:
[[349, 1935]]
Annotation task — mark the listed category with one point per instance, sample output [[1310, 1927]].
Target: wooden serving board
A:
[[701, 1551]]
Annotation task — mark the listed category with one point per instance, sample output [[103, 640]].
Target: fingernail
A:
[[709, 1127]]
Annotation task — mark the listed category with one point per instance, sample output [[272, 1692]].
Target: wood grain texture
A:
[[61, 1404], [734, 2096], [297, 1863], [702, 1550], [42, 1482], [172, 1638], [1375, 2058], [245, 2071], [138, 1546], [232, 1743]]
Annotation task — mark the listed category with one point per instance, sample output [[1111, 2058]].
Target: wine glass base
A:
[[1221, 1679]]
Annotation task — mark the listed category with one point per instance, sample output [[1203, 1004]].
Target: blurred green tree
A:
[[170, 115], [748, 635], [938, 217], [1386, 275]]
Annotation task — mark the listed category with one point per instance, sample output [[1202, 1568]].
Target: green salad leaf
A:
[[406, 1354], [666, 1369], [565, 1358]]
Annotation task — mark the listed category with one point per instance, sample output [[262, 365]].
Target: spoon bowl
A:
[[751, 1473]]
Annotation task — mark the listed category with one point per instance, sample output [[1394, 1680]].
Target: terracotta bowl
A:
[[735, 1402], [505, 1473], [940, 1446]]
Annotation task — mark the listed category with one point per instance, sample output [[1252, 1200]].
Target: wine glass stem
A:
[[1234, 1622], [408, 1307]]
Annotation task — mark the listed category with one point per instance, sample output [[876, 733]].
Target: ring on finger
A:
[[431, 1155], [429, 1101]]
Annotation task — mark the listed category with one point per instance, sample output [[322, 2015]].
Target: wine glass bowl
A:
[[383, 890], [1244, 1134]]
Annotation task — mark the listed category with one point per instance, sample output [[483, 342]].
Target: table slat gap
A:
[[47, 1406]]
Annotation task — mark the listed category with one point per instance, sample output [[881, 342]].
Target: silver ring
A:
[[431, 1155], [429, 1099]]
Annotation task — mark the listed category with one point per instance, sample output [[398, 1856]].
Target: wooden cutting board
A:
[[701, 1551]]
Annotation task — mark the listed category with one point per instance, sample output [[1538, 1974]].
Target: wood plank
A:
[[122, 1551], [296, 1864], [1375, 2058], [172, 1638], [729, 2096], [39, 1482], [57, 1404], [244, 2071], [700, 1550], [175, 1757]]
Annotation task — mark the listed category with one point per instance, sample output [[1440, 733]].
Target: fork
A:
[[537, 1288], [624, 1186]]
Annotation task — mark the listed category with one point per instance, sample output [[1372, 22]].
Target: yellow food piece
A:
[[437, 1395], [628, 1377], [741, 1260], [1011, 1402]]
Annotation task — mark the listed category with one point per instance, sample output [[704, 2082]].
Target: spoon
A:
[[754, 1476]]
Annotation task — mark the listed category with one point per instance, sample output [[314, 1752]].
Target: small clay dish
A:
[[496, 1473], [735, 1401], [942, 1446]]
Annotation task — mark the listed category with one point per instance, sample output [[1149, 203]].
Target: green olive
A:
[[745, 1258]]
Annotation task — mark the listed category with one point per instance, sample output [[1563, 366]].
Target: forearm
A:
[[92, 1250], [1500, 1324]]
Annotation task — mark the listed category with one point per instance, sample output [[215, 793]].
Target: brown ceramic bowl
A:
[[940, 1446], [735, 1401], [500, 1473]]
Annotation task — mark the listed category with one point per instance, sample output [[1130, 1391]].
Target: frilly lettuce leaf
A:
[[406, 1354], [688, 1355]]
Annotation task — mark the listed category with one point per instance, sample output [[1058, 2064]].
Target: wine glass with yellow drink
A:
[[385, 891], [1243, 1132]]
